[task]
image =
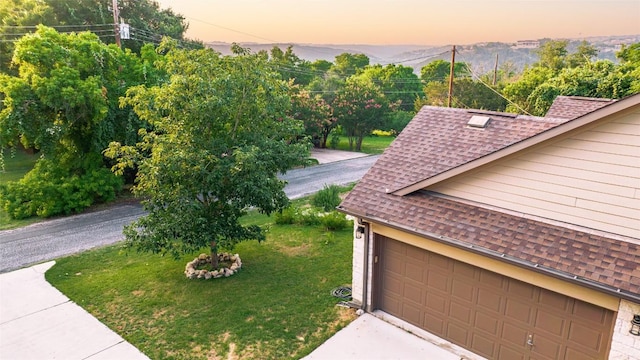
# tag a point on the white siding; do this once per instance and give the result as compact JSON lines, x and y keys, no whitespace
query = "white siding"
{"x":590,"y":178}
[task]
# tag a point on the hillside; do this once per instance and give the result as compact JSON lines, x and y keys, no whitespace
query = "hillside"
{"x":481,"y":56}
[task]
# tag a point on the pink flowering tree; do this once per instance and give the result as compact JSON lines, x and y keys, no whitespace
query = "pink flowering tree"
{"x":315,"y":113}
{"x":360,"y":107}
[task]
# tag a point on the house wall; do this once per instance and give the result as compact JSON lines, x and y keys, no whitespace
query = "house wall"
{"x":589,"y":178}
{"x":625,"y":346}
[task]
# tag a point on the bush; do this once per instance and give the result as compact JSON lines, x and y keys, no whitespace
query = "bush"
{"x":49,"y":189}
{"x":287,"y":216}
{"x":327,"y":198}
{"x":335,"y":221}
{"x":309,"y":217}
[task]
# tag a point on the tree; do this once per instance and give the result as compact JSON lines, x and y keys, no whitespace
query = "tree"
{"x":290,"y":66}
{"x":347,"y":64}
{"x":15,"y":14}
{"x":315,"y":113}
{"x":360,"y":108}
{"x":149,"y":23}
{"x":397,"y":82}
{"x":321,"y":66}
{"x":467,"y":93}
{"x":584,"y":54}
{"x":553,"y":54}
{"x":630,"y":58}
{"x":64,"y":104}
{"x":220,"y":136}
{"x":438,"y":70}
{"x":519,"y":92}
{"x":600,"y":79}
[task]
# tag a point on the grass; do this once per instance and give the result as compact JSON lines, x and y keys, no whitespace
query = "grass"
{"x":278,"y":306}
{"x":370,"y":144}
{"x":15,"y":167}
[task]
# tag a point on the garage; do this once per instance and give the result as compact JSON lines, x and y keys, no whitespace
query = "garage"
{"x":490,"y":314}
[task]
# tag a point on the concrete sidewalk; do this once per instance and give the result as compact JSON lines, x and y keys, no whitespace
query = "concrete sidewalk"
{"x":38,"y":322}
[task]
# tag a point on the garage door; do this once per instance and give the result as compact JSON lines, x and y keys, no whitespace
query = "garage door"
{"x":487,"y":313}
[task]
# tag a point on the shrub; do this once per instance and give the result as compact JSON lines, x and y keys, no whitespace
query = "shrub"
{"x":309,"y":217}
{"x":335,"y":221}
{"x":327,"y":198}
{"x":287,"y":216}
{"x":50,"y":189}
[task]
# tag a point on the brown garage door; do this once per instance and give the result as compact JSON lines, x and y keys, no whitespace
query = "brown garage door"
{"x":487,"y":313}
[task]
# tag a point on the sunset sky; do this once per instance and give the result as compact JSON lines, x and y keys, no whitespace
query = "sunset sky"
{"x":420,"y":22}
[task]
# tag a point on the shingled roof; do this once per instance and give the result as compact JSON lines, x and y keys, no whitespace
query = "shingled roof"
{"x":571,"y":107}
{"x":444,"y":132}
{"x":438,"y":140}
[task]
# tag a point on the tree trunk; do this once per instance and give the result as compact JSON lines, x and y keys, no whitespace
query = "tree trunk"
{"x":214,"y":255}
{"x":359,"y":143}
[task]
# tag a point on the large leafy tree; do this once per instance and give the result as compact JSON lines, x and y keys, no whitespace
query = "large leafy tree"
{"x":315,"y":113}
{"x":13,"y":15}
{"x":290,"y":66}
{"x":397,"y":82}
{"x":220,"y":136}
{"x":347,"y":64}
{"x":360,"y":107}
{"x":148,"y":21}
{"x":63,"y":104}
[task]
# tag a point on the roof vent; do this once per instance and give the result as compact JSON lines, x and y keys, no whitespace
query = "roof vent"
{"x":477,"y":121}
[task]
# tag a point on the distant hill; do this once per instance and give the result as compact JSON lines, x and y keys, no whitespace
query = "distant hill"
{"x":481,"y":56}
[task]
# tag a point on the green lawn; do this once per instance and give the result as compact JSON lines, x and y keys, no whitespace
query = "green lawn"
{"x":370,"y":144}
{"x":14,"y":169}
{"x":278,"y":306}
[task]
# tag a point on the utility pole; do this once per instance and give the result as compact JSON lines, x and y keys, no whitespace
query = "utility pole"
{"x":116,"y":26}
{"x":453,"y":61}
{"x":495,"y":71}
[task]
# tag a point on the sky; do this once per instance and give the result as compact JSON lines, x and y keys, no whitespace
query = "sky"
{"x":416,"y":22}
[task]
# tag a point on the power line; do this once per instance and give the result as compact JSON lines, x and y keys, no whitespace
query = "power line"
{"x":53,"y":26}
{"x":494,"y":90}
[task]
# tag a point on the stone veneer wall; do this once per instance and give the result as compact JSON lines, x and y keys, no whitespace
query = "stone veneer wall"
{"x":625,"y":346}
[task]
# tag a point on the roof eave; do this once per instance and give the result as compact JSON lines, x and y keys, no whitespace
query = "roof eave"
{"x":570,"y":125}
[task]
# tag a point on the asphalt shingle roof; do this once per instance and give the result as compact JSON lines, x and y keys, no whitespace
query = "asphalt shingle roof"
{"x":571,"y":107}
{"x":437,"y":140}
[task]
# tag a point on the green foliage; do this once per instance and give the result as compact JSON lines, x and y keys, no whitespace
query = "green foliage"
{"x":315,"y":114}
{"x":397,"y":121}
{"x":287,"y":216}
{"x":347,"y":64}
{"x":327,"y":198}
{"x":439,"y":70}
{"x":220,"y":137}
{"x":50,"y":189}
{"x":335,"y":221}
{"x":64,"y":103}
{"x":398,"y":82}
{"x":290,"y":66}
{"x":572,"y":74}
{"x":360,"y":108}
{"x":151,"y":22}
{"x":553,"y":54}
